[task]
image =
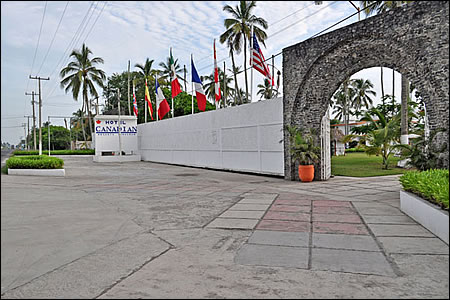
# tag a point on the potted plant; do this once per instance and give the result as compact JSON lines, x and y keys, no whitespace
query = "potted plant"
{"x":303,"y":150}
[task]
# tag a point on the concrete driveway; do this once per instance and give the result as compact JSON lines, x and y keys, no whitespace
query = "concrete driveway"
{"x":146,"y":230}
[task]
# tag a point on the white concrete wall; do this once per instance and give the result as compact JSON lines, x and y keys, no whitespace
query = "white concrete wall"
{"x":241,"y":138}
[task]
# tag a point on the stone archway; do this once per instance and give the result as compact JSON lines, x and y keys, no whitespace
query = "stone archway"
{"x":413,"y":40}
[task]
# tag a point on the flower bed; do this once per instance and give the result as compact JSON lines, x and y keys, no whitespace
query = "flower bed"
{"x":431,"y":185}
{"x":425,"y":199}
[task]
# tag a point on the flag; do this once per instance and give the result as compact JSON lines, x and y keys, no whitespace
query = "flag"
{"x":216,"y":76}
{"x":258,"y":61}
{"x":148,"y":100}
{"x":176,"y":88}
{"x":135,"y":107}
{"x":162,"y":106}
{"x":201,"y":98}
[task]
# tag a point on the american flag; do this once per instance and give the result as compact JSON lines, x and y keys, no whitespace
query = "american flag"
{"x":259,"y":61}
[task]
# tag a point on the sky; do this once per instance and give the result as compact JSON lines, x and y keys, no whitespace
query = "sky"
{"x":38,"y":44}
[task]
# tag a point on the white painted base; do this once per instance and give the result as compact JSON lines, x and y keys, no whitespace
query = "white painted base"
{"x":38,"y":172}
{"x":427,"y":214}
{"x":117,"y":158}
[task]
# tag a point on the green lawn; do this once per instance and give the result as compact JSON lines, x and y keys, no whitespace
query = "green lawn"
{"x":362,"y":165}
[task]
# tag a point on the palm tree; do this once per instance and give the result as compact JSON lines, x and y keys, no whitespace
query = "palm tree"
{"x":380,"y":7}
{"x":167,"y":70}
{"x":81,"y":75}
{"x":381,"y":139}
{"x":209,"y":85}
{"x":363,"y":90}
{"x":234,"y":69}
{"x":147,"y":73}
{"x":343,"y":99}
{"x":265,"y":90}
{"x":239,"y":27}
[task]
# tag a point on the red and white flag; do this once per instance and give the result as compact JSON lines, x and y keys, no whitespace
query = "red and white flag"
{"x":216,"y":76}
{"x":162,"y":106}
{"x":135,"y":107}
{"x":257,"y":61}
{"x":176,"y":88}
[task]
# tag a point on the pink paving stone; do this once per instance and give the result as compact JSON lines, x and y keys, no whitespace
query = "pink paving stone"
{"x":292,"y":202}
{"x":336,"y":218}
{"x":333,"y":210}
{"x":288,"y":216}
{"x":332,"y":203}
{"x":290,"y":208}
{"x":344,"y":228}
{"x":277,"y":225}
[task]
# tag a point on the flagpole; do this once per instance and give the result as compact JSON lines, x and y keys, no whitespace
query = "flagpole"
{"x":171,"y":87}
{"x":145,"y":102}
{"x":120,"y":136}
{"x":251,"y":65}
{"x":192,"y":83}
{"x":224,"y":87}
{"x":156,"y":98}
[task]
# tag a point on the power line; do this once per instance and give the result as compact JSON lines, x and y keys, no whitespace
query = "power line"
{"x":54,"y":35}
{"x":86,"y":24}
{"x":37,"y":45}
{"x":305,"y":7}
{"x":70,"y":45}
{"x":301,"y":20}
{"x":95,"y":21}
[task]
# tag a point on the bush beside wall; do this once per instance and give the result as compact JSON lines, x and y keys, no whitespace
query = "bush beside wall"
{"x":431,"y":185}
{"x":57,"y":152}
{"x":34,"y":162}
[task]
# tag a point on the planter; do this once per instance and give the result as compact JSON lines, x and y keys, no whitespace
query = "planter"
{"x":430,"y":216}
{"x":306,"y":173}
{"x":37,"y":172}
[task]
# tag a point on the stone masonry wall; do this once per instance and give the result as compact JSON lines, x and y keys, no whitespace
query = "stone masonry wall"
{"x":413,"y":40}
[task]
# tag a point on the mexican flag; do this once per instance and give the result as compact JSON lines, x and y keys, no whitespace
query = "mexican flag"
{"x":176,"y":89}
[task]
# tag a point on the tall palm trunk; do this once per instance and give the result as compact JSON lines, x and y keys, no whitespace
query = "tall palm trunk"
{"x":404,"y":111}
{"x":82,"y":122}
{"x":235,"y":79}
{"x":85,"y":95}
{"x":382,"y":91}
{"x":245,"y":67}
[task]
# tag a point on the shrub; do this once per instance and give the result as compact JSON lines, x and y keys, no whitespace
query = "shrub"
{"x":351,"y":150}
{"x":34,"y":162}
{"x":431,"y":185}
{"x":57,"y":152}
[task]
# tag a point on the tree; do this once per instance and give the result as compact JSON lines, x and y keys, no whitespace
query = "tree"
{"x":381,"y":7}
{"x":59,"y":138}
{"x":266,"y":90}
{"x":381,"y":140}
{"x":167,"y":70}
{"x":239,"y":27}
{"x":362,"y":91}
{"x":81,"y":74}
{"x":209,"y":84}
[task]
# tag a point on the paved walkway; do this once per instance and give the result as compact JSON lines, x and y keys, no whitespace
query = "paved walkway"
{"x":144,"y":230}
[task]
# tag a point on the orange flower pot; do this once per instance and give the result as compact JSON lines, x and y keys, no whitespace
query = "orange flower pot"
{"x":306,"y":173}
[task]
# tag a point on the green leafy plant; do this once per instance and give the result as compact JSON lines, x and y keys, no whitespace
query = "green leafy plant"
{"x":302,"y":146}
{"x":423,"y":154}
{"x":432,"y":185}
{"x":34,"y":162}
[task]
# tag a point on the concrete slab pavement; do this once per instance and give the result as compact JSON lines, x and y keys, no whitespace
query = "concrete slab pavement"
{"x":143,"y":230}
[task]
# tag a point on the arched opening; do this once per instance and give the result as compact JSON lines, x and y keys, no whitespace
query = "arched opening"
{"x":314,"y":69}
{"x":372,"y":99}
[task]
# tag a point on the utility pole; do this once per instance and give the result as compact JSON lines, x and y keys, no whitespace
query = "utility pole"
{"x":28,"y":130}
{"x":34,"y":118}
{"x":25,"y":134}
{"x":40,"y":109}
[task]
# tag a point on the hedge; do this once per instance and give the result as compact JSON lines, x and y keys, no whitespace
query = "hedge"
{"x":56,"y":152}
{"x":34,"y":162}
{"x":350,"y":150}
{"x":431,"y":185}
